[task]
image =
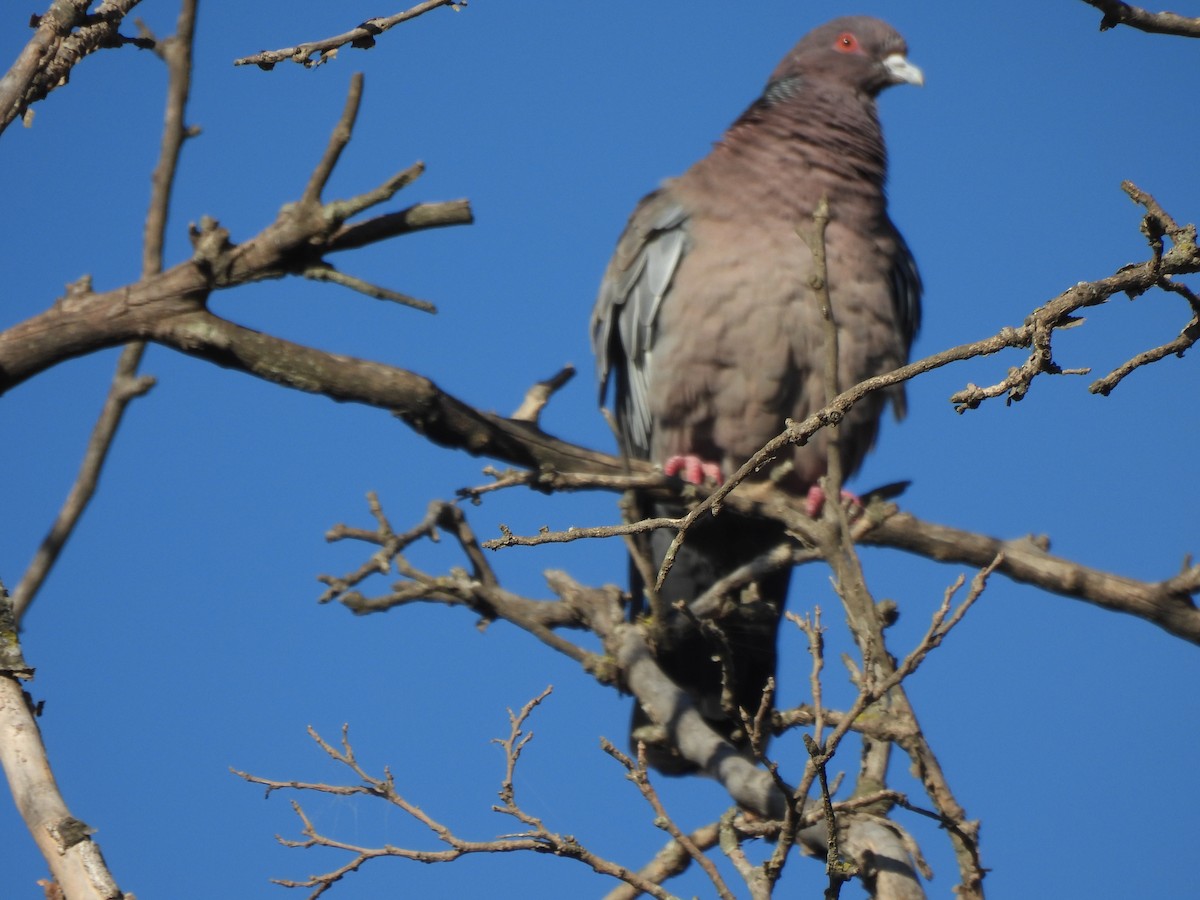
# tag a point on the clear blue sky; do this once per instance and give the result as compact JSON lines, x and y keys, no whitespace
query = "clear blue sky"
{"x":180,"y":636}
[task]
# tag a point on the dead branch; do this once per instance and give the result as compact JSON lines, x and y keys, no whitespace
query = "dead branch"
{"x":127,"y":385}
{"x":539,"y":395}
{"x":640,"y":775}
{"x":63,"y":36}
{"x":1118,"y":13}
{"x":838,"y":870}
{"x":361,"y":38}
{"x":171,"y":309}
{"x":627,"y":659}
{"x":1177,"y":347}
{"x":670,"y":861}
{"x":66,"y":843}
{"x":1168,"y":604}
{"x":835,"y":543}
{"x":73,"y":857}
{"x":535,"y":838}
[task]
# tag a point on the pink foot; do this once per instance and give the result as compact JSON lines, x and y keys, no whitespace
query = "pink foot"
{"x":815,"y":501}
{"x":693,"y":469}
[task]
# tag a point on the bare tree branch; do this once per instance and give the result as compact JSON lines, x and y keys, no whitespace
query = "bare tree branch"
{"x":329,"y":274}
{"x":126,"y":386}
{"x":176,"y":51}
{"x":1118,"y":13}
{"x":74,"y":859}
{"x":63,"y":36}
{"x":640,"y":775}
{"x":539,"y":395}
{"x":838,"y":870}
{"x":1168,"y":603}
{"x":337,"y":143}
{"x":671,"y":860}
{"x":667,"y":705}
{"x":536,"y":837}
{"x":361,"y":38}
{"x":171,"y":308}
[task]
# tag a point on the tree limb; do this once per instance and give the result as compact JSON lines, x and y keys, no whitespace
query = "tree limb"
{"x":126,"y":386}
{"x":535,"y":838}
{"x":1118,"y":13}
{"x":1167,"y":604}
{"x":361,"y":38}
{"x":63,"y":36}
{"x":74,"y":859}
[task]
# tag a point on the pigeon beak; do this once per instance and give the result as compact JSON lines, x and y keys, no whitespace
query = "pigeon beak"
{"x":901,"y":71}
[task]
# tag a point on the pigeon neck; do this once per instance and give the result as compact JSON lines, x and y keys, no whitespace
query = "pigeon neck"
{"x":800,"y":126}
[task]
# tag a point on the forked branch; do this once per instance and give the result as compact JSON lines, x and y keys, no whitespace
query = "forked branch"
{"x":535,"y":836}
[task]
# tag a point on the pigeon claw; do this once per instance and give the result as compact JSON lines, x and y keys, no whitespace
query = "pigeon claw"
{"x":815,"y":501}
{"x":693,"y":469}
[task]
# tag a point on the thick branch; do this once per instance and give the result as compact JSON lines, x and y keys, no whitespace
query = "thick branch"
{"x":63,"y":36}
{"x":1168,"y":604}
{"x":170,"y":308}
{"x":73,"y":857}
{"x":52,"y":29}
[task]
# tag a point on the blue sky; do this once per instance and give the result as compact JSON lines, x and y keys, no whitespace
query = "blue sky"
{"x":180,"y":636}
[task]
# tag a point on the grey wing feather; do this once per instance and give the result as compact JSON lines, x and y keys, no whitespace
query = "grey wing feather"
{"x":624,"y":319}
{"x":906,"y":297}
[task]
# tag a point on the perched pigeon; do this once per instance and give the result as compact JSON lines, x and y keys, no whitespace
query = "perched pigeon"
{"x":708,"y":326}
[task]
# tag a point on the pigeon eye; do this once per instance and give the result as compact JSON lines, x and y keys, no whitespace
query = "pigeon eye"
{"x":846,"y":43}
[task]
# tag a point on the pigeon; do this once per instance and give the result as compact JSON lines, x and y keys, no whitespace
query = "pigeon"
{"x":708,"y":329}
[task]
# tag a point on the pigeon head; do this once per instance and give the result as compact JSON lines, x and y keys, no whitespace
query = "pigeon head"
{"x":860,"y":52}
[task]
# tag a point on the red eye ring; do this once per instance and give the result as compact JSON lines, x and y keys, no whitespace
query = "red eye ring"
{"x":846,"y":42}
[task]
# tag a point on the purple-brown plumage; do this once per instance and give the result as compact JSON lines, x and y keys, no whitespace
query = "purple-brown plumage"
{"x":709,"y":328}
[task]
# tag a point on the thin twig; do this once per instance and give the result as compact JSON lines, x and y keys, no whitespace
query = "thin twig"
{"x":816,"y":649}
{"x":338,"y":140}
{"x":508,"y":539}
{"x":671,"y":860}
{"x":820,"y":286}
{"x":361,"y":38}
{"x":1177,"y":347}
{"x":838,"y":870}
{"x":330,"y":275}
{"x":126,"y":385}
{"x":640,"y":776}
{"x":536,"y":838}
